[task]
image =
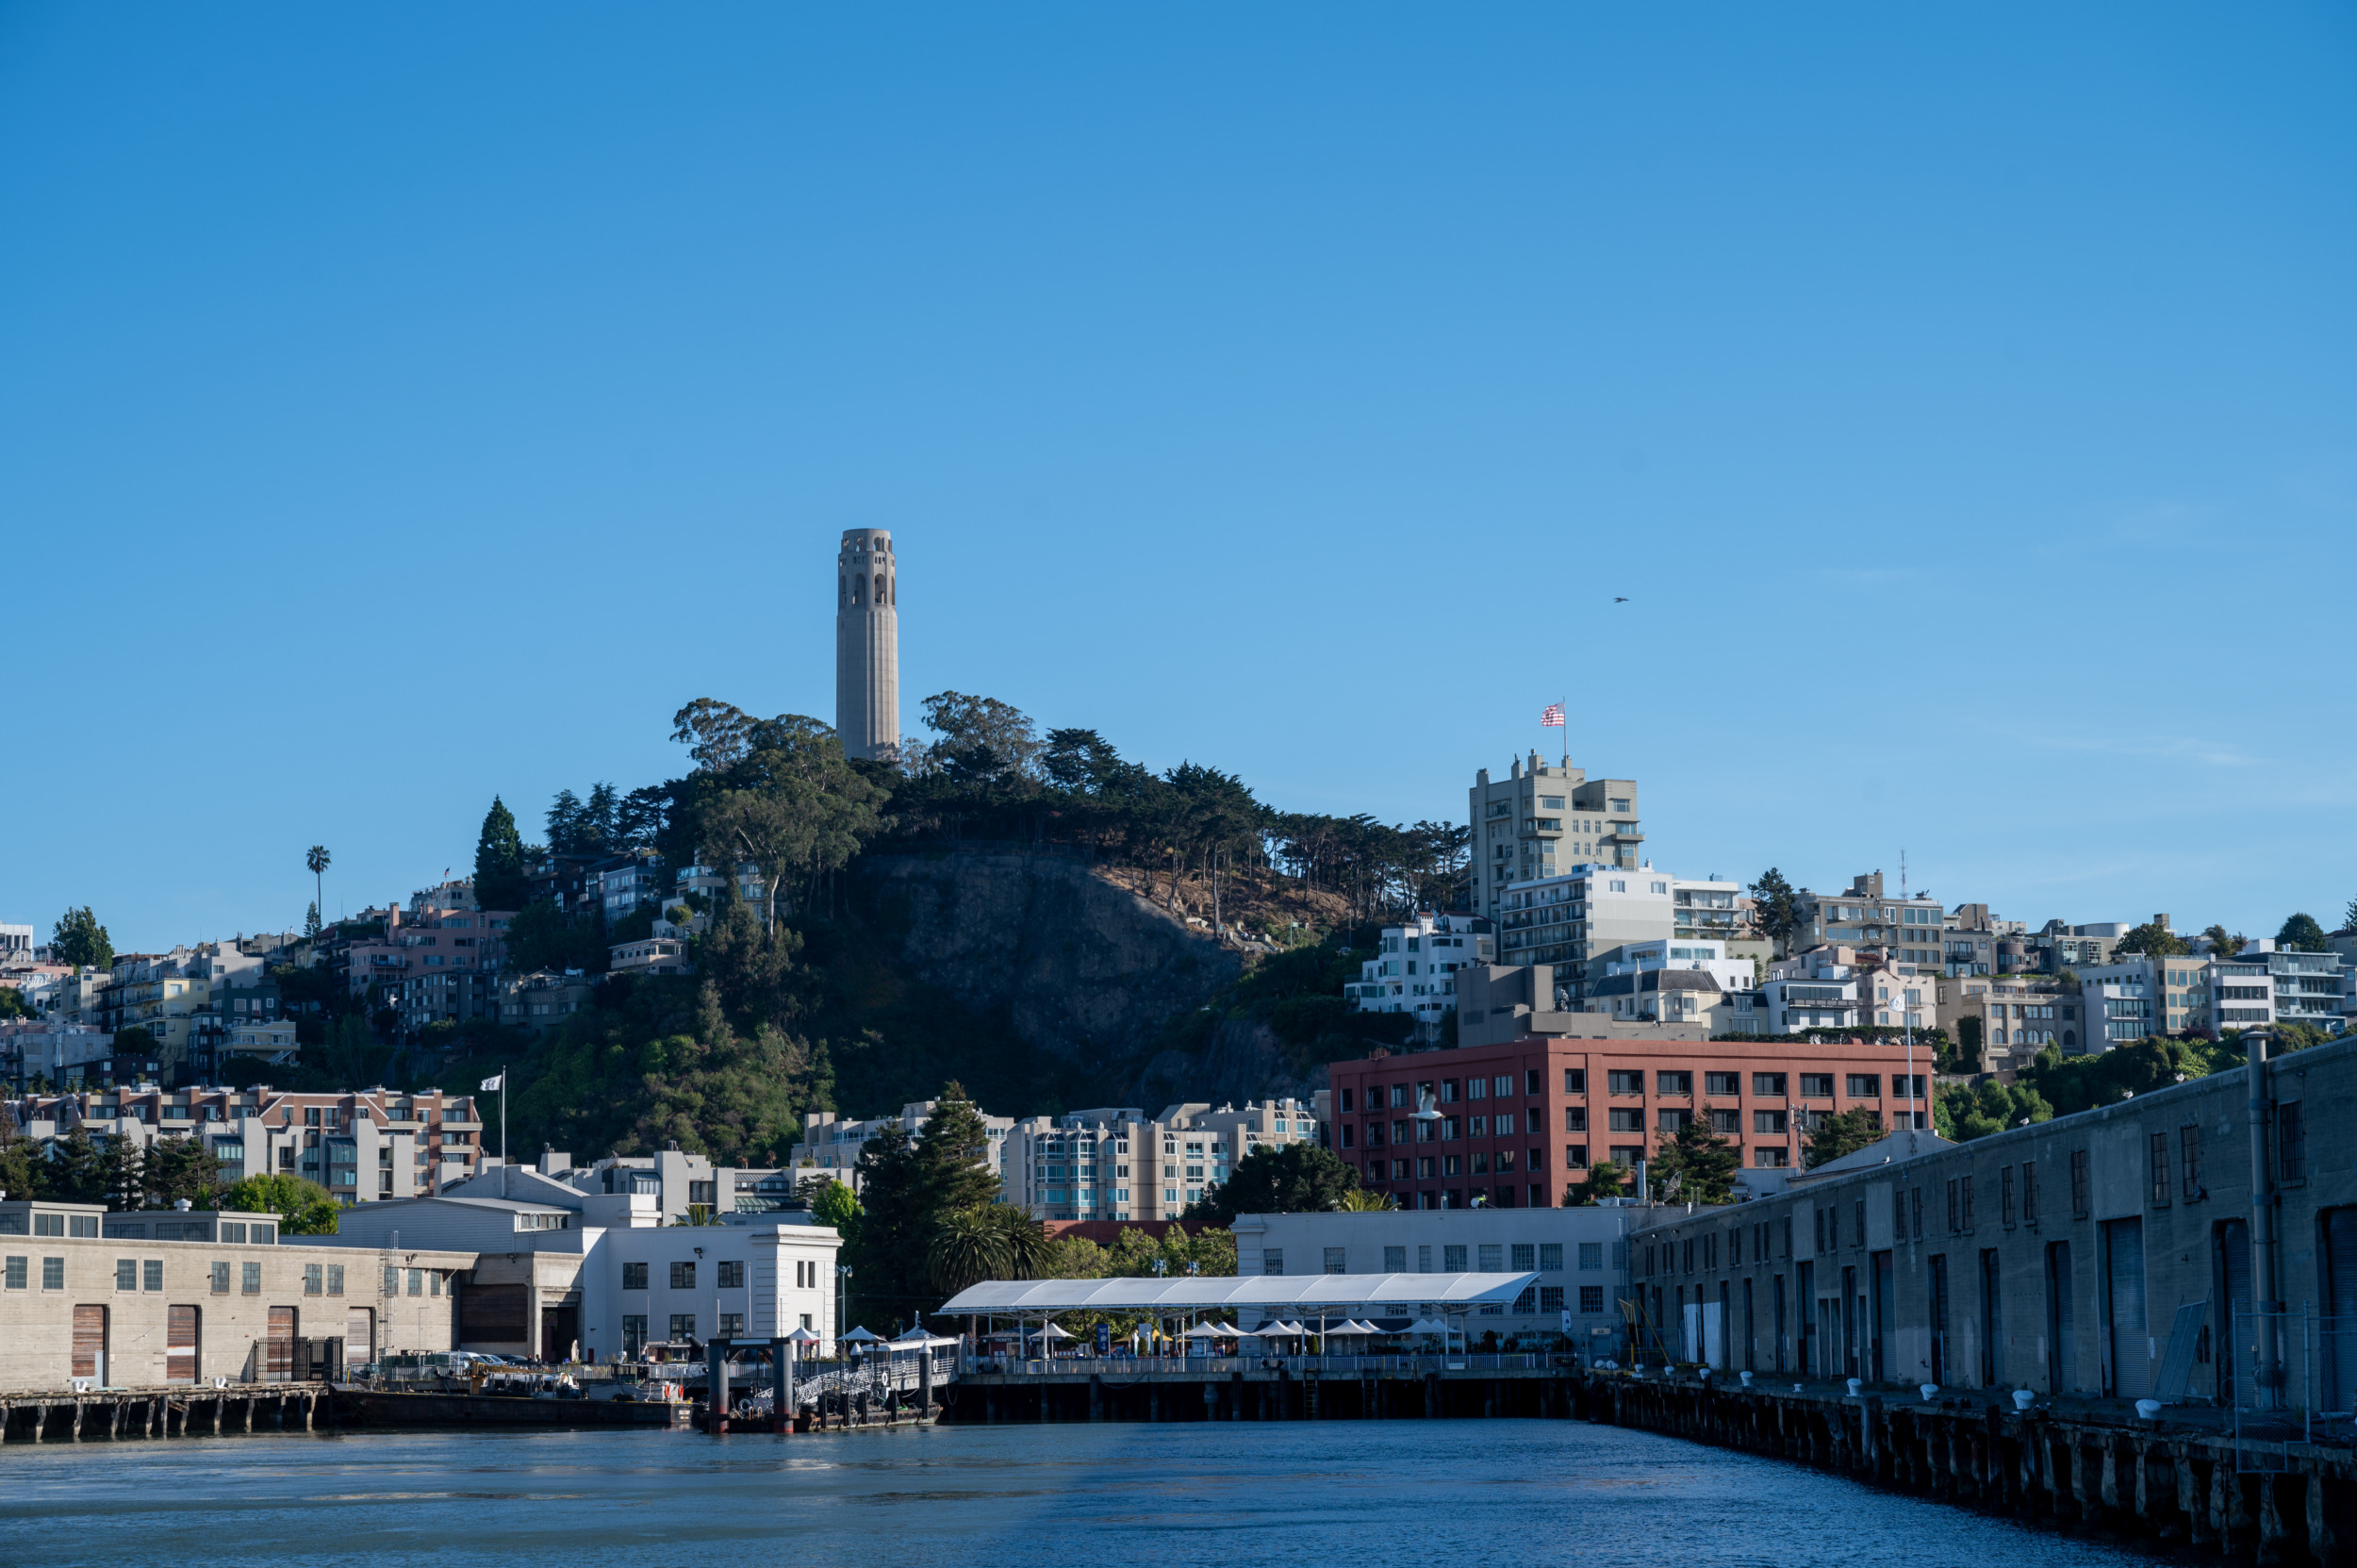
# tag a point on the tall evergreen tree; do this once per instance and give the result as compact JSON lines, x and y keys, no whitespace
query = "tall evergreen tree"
{"x":80,"y":940}
{"x":499,"y":859}
{"x":1702,"y":1163}
{"x":2302,"y":934}
{"x":1777,"y":909}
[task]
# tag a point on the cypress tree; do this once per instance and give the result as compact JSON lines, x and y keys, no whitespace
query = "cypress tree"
{"x":499,"y":859}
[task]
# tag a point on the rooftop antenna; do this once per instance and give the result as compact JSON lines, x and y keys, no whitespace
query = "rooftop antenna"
{"x":1903,"y":872}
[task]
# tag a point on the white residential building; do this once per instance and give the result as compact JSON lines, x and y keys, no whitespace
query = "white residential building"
{"x":1806,"y":993}
{"x":1581,"y":921}
{"x":1111,"y":1163}
{"x":1413,"y":970}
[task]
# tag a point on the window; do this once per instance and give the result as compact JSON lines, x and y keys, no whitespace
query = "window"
{"x":1673,"y":1121}
{"x":334,"y":1278}
{"x":2291,"y":1143}
{"x":1395,"y":1260}
{"x":314,"y":1279}
{"x":732,"y":1326}
{"x":417,"y":1281}
{"x":126,"y":1274}
{"x":2078,"y":1184}
{"x":1626,"y":1082}
{"x":1817,"y":1085}
{"x":2189,"y":1151}
{"x":1273,"y":1260}
{"x":1721,"y":1083}
{"x":633,"y":1277}
{"x":683,"y":1326}
{"x":1968,"y":1201}
{"x":1674,"y":1082}
{"x":1345,"y":1099}
{"x":1866,"y":1086}
{"x":250,"y":1279}
{"x":2004,"y":1192}
{"x":1626,"y":1119}
{"x":1952,"y":1226}
{"x":53,"y":1274}
{"x":392,"y":1282}
{"x":634,"y":1332}
{"x":1575,"y":1118}
{"x":48,"y":1225}
{"x":221,"y":1279}
{"x":1574,"y":1156}
{"x":1525,"y":1257}
{"x":731,"y":1275}
{"x":683,"y":1277}
{"x":1727,"y":1121}
{"x":1769,"y":1084}
{"x":15,"y":1272}
{"x":1772,"y":1122}
{"x":1574,"y":1081}
{"x":1531,"y":1080}
{"x":2157,"y":1167}
{"x":2029,"y":1192}
{"x":1592,"y":1298}
{"x":1336,"y":1260}
{"x":1453,"y":1259}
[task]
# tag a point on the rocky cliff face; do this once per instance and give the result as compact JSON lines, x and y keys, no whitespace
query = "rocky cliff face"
{"x":1077,"y":965}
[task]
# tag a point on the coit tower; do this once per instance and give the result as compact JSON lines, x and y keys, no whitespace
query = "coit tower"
{"x":867,"y":645}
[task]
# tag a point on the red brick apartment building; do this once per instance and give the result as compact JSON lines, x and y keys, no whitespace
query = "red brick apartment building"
{"x":1522,"y":1119}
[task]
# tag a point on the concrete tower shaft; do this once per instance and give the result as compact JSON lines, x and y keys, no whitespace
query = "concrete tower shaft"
{"x":868,"y":644}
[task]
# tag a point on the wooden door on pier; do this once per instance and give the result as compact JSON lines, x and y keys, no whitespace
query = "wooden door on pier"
{"x":180,"y":1363}
{"x":89,"y":1343}
{"x":278,"y":1346}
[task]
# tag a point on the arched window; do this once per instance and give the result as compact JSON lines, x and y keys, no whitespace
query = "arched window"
{"x":892,"y":586}
{"x":880,"y":588}
{"x":2071,"y":1038}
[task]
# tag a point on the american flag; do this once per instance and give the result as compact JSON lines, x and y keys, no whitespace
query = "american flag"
{"x":1553,"y":718}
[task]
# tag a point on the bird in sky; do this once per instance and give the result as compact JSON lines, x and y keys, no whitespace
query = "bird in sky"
{"x":1620,"y":598}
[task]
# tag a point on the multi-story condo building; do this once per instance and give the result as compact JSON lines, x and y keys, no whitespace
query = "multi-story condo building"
{"x":1413,"y":970}
{"x":2169,"y":996}
{"x":542,"y":999}
{"x":2019,"y":1014}
{"x":1114,"y":1164}
{"x":1540,"y":820}
{"x":831,"y":1144}
{"x":2262,"y":985}
{"x":637,"y":881}
{"x":1815,"y":991}
{"x":1579,"y":921}
{"x":174,"y":997}
{"x":1908,"y":930}
{"x":360,"y":1146}
{"x":1111,"y":1163}
{"x":436,"y":962}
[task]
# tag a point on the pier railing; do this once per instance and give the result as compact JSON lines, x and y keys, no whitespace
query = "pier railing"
{"x":1331,"y":1366}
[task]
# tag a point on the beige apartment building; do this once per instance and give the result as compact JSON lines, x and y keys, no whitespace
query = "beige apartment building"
{"x":375,"y":1143}
{"x":133,"y":1311}
{"x":1543,"y":819}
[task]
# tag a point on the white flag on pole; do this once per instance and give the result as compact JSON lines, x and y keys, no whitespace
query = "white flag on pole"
{"x":497,"y":1082}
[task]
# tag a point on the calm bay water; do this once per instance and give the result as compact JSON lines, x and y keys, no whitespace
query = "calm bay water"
{"x":1369,"y":1493}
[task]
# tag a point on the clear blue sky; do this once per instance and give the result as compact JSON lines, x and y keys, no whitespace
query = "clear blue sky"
{"x":400,"y":404}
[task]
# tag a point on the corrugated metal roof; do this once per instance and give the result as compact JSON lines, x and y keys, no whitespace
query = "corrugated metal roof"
{"x":1260,"y":1290}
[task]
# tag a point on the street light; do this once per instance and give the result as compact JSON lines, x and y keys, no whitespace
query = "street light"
{"x":842,"y":1294}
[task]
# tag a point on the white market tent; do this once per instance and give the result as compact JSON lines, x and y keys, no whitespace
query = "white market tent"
{"x":1424,"y":1292}
{"x":1430,"y":1298}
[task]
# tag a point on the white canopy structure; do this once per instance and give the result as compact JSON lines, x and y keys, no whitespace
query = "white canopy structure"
{"x":1419,"y":1293}
{"x":862,"y":1336}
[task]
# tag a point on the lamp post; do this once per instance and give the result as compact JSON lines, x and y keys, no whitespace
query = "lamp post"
{"x":842,"y":1303}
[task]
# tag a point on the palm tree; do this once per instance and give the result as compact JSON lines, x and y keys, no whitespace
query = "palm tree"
{"x":317,"y":859}
{"x":1359,"y":1200}
{"x":967,"y":1249}
{"x":1022,"y":1240}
